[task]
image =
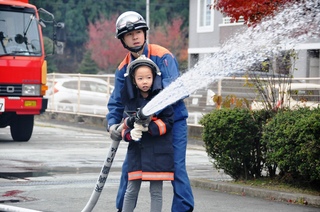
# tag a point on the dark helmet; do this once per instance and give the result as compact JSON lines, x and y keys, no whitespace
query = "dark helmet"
{"x":142,"y":61}
{"x":127,"y":22}
{"x":130,"y":89}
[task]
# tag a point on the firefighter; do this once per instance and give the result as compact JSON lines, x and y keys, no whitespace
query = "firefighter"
{"x":131,"y":30}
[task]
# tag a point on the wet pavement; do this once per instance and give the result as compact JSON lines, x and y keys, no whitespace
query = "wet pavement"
{"x":58,"y":168}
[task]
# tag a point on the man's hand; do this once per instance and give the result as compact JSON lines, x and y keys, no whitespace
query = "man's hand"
{"x":114,"y":133}
{"x":136,"y":134}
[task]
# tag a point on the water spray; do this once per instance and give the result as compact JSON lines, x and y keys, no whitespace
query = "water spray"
{"x":295,"y":24}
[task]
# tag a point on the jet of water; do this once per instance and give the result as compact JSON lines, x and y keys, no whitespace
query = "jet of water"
{"x":295,"y":24}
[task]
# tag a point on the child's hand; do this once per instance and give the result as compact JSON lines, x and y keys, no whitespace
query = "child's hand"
{"x":140,"y":127}
{"x":136,"y":134}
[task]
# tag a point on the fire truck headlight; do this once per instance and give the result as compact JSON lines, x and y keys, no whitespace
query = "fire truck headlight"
{"x":30,"y":90}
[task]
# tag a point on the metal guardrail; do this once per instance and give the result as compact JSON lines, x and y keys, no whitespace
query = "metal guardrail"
{"x":198,"y":103}
{"x":81,"y":91}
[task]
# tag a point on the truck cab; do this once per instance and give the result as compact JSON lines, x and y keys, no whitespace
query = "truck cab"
{"x":23,"y":68}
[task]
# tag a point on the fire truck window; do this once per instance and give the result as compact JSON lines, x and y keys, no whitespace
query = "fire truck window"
{"x":21,"y":35}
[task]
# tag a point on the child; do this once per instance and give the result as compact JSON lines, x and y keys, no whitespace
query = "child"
{"x":150,"y":151}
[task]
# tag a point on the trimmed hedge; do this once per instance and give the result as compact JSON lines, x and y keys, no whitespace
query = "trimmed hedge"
{"x":244,"y":143}
{"x":232,"y":139}
{"x":292,"y":139}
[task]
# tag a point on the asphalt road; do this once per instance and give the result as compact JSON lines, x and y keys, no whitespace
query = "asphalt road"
{"x":58,"y":168}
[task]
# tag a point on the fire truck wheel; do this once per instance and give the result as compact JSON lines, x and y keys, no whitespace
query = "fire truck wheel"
{"x":21,"y":128}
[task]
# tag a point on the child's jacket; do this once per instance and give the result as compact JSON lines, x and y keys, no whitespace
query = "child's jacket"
{"x":152,"y":157}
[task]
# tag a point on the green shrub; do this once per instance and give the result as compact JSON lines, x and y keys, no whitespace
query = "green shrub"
{"x":292,"y":139}
{"x":232,"y":139}
{"x":244,"y":142}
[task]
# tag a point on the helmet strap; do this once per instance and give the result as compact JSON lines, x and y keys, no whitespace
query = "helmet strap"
{"x":135,"y":49}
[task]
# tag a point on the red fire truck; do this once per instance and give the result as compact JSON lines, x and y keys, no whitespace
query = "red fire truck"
{"x":23,"y":68}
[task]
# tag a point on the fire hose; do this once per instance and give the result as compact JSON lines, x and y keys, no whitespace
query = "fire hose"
{"x":9,"y":208}
{"x":140,"y":118}
{"x":103,"y":175}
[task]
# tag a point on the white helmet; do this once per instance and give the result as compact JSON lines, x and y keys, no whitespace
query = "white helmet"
{"x":129,"y":21}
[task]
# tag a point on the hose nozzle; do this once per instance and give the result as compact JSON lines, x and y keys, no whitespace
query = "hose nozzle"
{"x":142,"y":119}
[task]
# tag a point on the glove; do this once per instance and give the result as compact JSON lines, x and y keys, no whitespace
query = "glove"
{"x":114,"y":133}
{"x":136,"y":134}
{"x":140,"y":127}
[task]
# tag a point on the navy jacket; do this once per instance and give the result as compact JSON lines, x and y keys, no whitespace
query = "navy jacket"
{"x":152,"y":157}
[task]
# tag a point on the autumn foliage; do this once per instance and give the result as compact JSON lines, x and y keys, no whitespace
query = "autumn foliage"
{"x":107,"y":51}
{"x":252,"y":11}
{"x":170,"y":36}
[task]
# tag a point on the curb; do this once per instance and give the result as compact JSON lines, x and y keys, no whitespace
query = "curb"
{"x":294,"y":198}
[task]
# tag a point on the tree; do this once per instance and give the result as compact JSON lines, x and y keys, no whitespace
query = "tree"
{"x":173,"y":37}
{"x":279,"y":67}
{"x":252,"y":11}
{"x":78,"y":14}
{"x":88,"y":66}
{"x":48,"y":48}
{"x":105,"y":49}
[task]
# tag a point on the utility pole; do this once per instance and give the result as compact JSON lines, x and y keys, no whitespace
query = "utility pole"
{"x":147,"y":18}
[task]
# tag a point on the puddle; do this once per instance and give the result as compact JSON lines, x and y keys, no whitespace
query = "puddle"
{"x":23,"y":175}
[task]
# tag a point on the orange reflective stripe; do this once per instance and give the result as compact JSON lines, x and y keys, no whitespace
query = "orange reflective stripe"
{"x":139,"y":175}
{"x":157,"y":176}
{"x":156,"y":50}
{"x":162,"y":126}
{"x":135,"y":175}
{"x":125,"y":61}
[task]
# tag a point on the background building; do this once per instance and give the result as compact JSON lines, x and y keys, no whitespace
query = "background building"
{"x":209,"y":29}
